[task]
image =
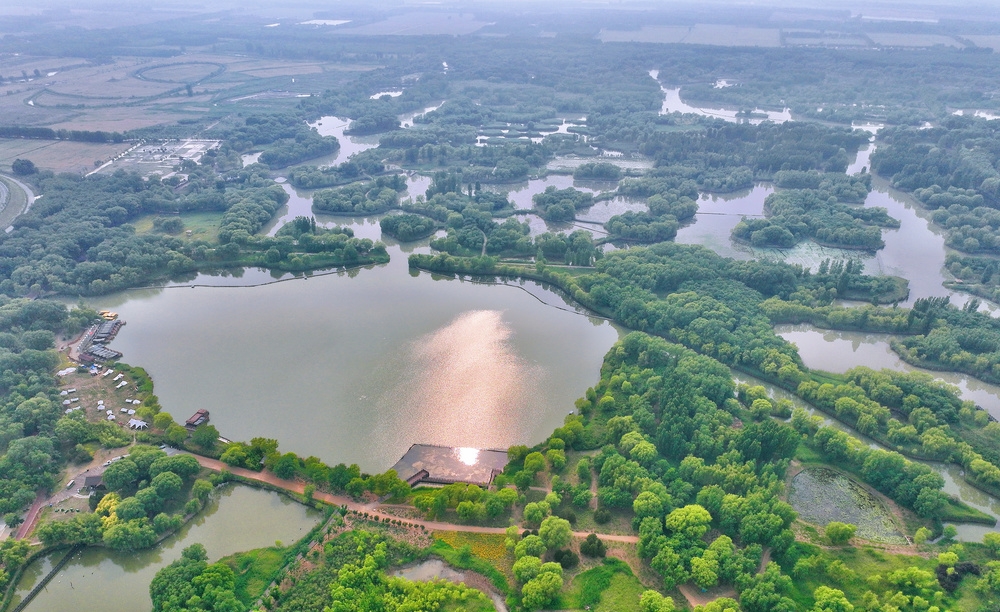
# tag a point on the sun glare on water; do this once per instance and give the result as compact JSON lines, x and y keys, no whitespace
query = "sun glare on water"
{"x":468,"y":456}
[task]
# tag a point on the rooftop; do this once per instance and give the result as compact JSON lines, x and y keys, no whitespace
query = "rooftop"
{"x":448,"y":464}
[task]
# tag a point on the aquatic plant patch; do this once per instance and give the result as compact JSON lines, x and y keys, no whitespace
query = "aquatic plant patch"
{"x":821,"y":495}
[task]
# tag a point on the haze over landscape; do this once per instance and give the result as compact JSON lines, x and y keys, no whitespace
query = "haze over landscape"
{"x":392,"y":306}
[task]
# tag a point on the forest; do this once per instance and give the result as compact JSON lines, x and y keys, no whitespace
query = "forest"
{"x":666,"y":447}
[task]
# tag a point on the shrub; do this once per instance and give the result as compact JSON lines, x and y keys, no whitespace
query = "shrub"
{"x":602,"y":516}
{"x":593,"y":546}
{"x":566,"y":558}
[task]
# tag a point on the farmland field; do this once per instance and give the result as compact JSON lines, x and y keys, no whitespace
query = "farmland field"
{"x":647,"y":34}
{"x":58,"y":155}
{"x":914,"y":40}
{"x":698,"y":34}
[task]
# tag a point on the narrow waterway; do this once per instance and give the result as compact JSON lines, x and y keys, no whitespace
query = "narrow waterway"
{"x":672,"y":103}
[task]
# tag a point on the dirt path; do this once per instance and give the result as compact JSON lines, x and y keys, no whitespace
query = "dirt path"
{"x":697,"y":597}
{"x":297,"y":486}
{"x":32,"y":517}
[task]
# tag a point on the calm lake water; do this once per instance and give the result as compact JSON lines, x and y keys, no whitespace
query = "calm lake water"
{"x":356,"y":367}
{"x":237,"y":518}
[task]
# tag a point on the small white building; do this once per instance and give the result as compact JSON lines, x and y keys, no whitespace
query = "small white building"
{"x":137,"y":424}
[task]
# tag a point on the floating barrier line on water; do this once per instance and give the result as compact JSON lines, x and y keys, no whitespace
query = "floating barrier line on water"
{"x":571,"y":311}
{"x":274,"y":282}
{"x":342,"y":270}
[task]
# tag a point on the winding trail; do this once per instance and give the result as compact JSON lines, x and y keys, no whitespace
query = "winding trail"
{"x":297,"y":486}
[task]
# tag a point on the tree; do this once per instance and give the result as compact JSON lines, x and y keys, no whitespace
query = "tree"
{"x":991,"y":540}
{"x":176,"y":434}
{"x":690,"y":522}
{"x":167,"y":484}
{"x":651,"y":601}
{"x":23,"y":167}
{"x":184,"y":466}
{"x":205,"y":436}
{"x":535,"y":512}
{"x":531,"y":545}
{"x":670,"y":566}
{"x":555,"y":532}
{"x":121,"y":475}
{"x":831,"y":600}
{"x":201,"y":490}
{"x":705,"y":570}
{"x":130,"y":508}
{"x":534,"y":463}
{"x":839,"y":533}
{"x":162,"y":420}
{"x":647,"y":504}
{"x":130,"y":535}
{"x":541,"y":590}
{"x":285,"y":466}
{"x":526,"y":568}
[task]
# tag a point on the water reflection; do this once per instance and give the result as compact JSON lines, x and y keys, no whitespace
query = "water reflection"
{"x":237,"y":518}
{"x":331,"y":367}
{"x":839,"y":351}
{"x":718,"y":214}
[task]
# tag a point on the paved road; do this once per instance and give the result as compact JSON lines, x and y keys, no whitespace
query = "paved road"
{"x":9,"y":213}
{"x":371,"y":508}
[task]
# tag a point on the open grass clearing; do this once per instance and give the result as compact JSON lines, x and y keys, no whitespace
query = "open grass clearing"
{"x":203,"y":226}
{"x":610,"y":586}
{"x":647,"y":34}
{"x":865,"y":566}
{"x":255,"y":569}
{"x":179,"y":72}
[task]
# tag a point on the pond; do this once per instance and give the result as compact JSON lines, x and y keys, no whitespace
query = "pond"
{"x":300,"y":205}
{"x":237,"y":518}
{"x":349,"y":145}
{"x":914,"y":251}
{"x":436,"y":569}
{"x":822,"y":495}
{"x":718,"y":214}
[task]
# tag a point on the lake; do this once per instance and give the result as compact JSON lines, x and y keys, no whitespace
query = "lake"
{"x":355,"y":367}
